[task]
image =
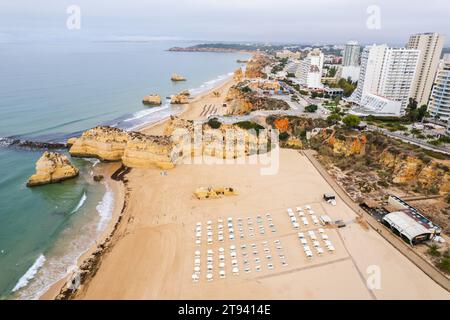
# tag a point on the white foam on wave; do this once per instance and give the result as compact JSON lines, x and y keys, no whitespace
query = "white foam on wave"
{"x":105,"y":208}
{"x":23,"y":281}
{"x":80,"y":203}
{"x":144,"y":113}
{"x":208,"y":85}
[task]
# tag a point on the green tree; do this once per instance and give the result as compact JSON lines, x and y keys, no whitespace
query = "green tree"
{"x":333,"y":118}
{"x":351,"y":121}
{"x":311,"y":108}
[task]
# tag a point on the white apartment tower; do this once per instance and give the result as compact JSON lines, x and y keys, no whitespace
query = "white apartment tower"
{"x":351,"y":54}
{"x":430,"y":46}
{"x":387,"y":72}
{"x":310,"y":71}
{"x":439,"y":105}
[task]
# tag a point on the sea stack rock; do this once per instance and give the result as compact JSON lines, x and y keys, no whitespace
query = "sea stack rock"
{"x":52,"y":167}
{"x":176,"y":77}
{"x":152,"y":100}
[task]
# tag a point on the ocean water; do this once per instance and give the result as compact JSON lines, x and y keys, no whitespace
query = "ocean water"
{"x":51,"y":91}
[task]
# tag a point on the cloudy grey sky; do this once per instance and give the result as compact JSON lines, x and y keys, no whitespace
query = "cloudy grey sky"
{"x":299,"y":21}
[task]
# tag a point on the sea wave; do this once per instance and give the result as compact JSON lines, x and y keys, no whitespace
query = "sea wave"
{"x":144,"y":113}
{"x":23,"y":281}
{"x":208,"y":85}
{"x":105,"y":208}
{"x":80,"y":203}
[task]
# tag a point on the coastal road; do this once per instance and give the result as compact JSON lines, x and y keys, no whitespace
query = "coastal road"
{"x":399,"y":244}
{"x":410,"y":140}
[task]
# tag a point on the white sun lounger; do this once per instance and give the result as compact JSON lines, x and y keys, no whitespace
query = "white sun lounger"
{"x":308,"y":207}
{"x":301,"y":235}
{"x":221,"y":265}
{"x":299,"y":209}
{"x":309,"y":254}
{"x":324,"y":236}
{"x":209,"y":276}
{"x":197,"y":262}
{"x":222,"y":274}
{"x":331,"y":248}
{"x":321,"y":230}
{"x":235,"y":271}
{"x":303,"y":241}
{"x":195,"y":278}
{"x":221,"y":257}
{"x":319,"y":250}
{"x":316,"y":244}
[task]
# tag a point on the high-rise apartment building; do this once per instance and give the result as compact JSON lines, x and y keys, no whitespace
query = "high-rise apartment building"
{"x":309,"y":73}
{"x":351,"y":54}
{"x":439,"y":105}
{"x":430,"y":46}
{"x":387,"y":72}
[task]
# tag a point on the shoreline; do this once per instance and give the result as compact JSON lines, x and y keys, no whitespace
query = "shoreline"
{"x":93,"y":256}
{"x":118,"y":191}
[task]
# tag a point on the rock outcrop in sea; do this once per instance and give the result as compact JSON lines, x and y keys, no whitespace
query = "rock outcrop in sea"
{"x":180,"y":98}
{"x":52,"y":167}
{"x":152,"y":100}
{"x":176,"y":77}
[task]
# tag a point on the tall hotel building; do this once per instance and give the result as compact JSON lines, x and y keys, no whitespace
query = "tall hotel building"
{"x":430,"y":46}
{"x":388,"y":73}
{"x":439,"y":105}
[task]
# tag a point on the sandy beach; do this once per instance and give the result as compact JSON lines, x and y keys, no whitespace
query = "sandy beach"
{"x":154,"y":255}
{"x":151,"y":254}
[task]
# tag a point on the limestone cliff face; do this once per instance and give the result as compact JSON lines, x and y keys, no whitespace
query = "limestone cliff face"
{"x":52,"y":167}
{"x":238,"y":75}
{"x":409,"y":169}
{"x":241,"y":102}
{"x":256,"y":65}
{"x":143,"y":151}
{"x":348,"y":146}
{"x":134,"y":149}
{"x":102,"y":142}
{"x":229,"y":141}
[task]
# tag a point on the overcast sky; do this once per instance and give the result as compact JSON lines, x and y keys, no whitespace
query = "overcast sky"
{"x":299,"y":21}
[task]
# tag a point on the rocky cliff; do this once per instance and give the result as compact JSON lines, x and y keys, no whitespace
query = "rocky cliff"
{"x":102,"y":142}
{"x":256,"y":65}
{"x":409,"y":169}
{"x":144,"y":151}
{"x":391,"y":161}
{"x":52,"y":167}
{"x":241,"y":100}
{"x":134,"y":149}
{"x":225,"y":141}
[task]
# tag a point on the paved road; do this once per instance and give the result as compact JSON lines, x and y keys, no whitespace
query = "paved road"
{"x":410,"y":140}
{"x":399,"y":244}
